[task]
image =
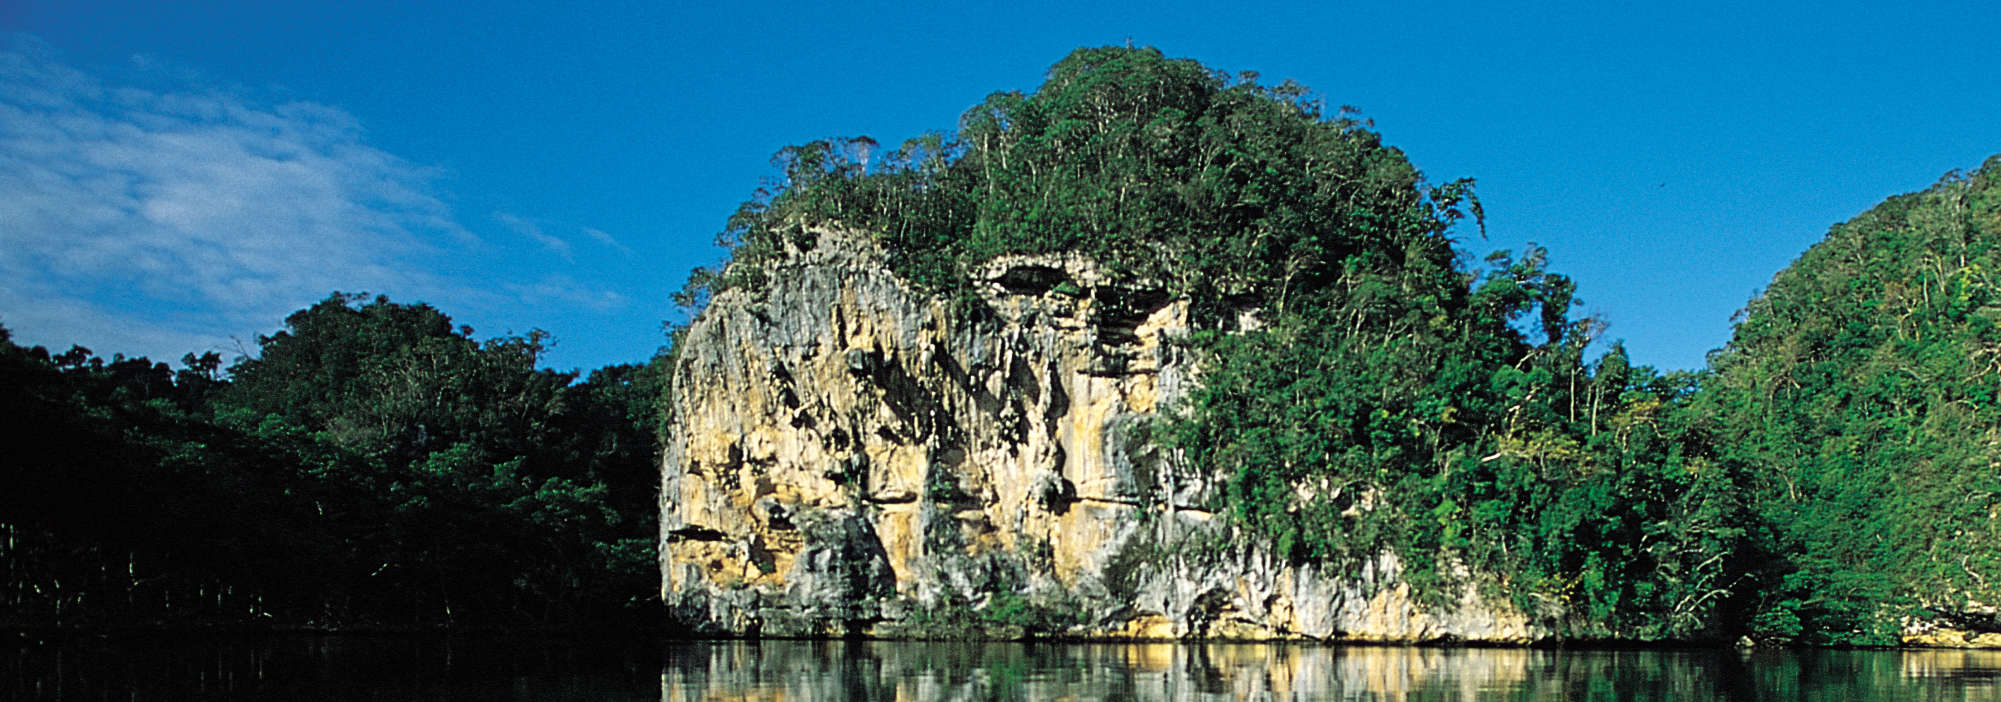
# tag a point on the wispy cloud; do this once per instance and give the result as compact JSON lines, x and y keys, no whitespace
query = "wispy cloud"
{"x":562,"y":290}
{"x":62,"y":322}
{"x":162,"y":213}
{"x":182,"y":212}
{"x":533,"y":232}
{"x":599,"y":236}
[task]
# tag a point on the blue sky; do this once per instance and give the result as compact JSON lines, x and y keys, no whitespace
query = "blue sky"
{"x":179,"y":176}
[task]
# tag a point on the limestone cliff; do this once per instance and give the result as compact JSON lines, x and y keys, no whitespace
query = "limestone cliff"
{"x":848,"y":457}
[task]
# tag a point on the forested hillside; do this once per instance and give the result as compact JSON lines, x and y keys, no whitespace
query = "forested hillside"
{"x":1861,"y":399}
{"x":373,"y":466}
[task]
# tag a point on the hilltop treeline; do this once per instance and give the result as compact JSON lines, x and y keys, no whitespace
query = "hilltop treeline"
{"x":372,"y":467}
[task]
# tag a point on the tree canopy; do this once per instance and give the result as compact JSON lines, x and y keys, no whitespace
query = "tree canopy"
{"x":1160,"y":168}
{"x":374,"y":466}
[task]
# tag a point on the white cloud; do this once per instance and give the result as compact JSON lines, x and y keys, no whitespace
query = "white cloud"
{"x":174,"y":218}
{"x":599,"y":236}
{"x":534,"y":233}
{"x":61,"y":322}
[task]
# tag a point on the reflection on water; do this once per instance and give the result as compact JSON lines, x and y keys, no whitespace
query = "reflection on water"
{"x":832,"y":670}
{"x":304,"y":667}
{"x":407,"y":667}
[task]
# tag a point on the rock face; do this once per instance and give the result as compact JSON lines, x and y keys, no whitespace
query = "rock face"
{"x":1964,"y":623}
{"x":851,"y":458}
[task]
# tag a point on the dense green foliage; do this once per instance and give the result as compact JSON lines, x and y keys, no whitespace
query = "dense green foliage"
{"x":1388,"y":396}
{"x":1213,"y":186}
{"x":1862,"y":392}
{"x":372,"y":466}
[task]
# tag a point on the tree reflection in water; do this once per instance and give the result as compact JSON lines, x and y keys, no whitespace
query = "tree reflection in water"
{"x":585,"y":668}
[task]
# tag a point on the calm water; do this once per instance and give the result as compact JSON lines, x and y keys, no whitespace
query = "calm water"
{"x":402,"y":667}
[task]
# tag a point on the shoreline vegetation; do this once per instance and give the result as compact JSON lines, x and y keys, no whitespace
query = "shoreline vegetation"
{"x":642,"y":632}
{"x":1827,"y":480}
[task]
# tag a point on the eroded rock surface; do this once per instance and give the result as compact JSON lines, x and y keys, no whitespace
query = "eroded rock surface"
{"x":852,"y":458}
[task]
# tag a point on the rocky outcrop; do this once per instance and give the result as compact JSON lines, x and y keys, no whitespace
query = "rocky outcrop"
{"x":1960,"y":623}
{"x":850,"y":458}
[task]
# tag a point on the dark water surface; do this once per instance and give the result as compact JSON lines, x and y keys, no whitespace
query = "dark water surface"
{"x":180,"y":667}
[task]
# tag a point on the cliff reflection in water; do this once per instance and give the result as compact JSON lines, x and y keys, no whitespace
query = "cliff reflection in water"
{"x":835,"y":670}
{"x":311,"y":667}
